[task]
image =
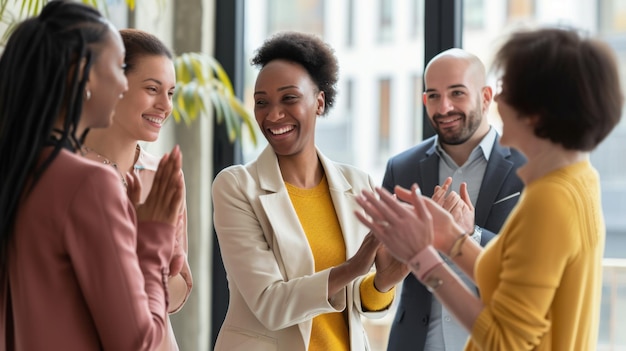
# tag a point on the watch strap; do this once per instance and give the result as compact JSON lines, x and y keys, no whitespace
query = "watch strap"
{"x":424,"y":261}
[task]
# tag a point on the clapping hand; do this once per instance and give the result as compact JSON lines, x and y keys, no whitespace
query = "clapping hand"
{"x":460,"y":207}
{"x":445,"y":228}
{"x":164,"y":202}
{"x":179,"y":255}
{"x":389,"y":271}
{"x":166,"y":195}
{"x":404,"y":230}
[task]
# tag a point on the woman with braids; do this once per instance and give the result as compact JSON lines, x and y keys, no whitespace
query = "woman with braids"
{"x":81,"y":268}
{"x":138,"y":117}
{"x":298,"y":262}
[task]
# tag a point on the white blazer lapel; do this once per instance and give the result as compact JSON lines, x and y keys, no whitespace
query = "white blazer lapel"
{"x":288,"y":239}
{"x":345,"y":205}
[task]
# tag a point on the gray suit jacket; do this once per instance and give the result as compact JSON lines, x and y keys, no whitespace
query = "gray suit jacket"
{"x":420,"y":165}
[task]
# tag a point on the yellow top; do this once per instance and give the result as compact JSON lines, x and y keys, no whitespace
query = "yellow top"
{"x":541,"y":278}
{"x":318,"y":219}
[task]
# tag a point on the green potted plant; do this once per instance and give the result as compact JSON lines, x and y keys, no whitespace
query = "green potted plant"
{"x":203,"y":86}
{"x":202,"y":80}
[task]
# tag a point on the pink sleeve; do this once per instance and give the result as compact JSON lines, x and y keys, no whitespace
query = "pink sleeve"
{"x":147,"y":165}
{"x":122,"y":275}
{"x":185,"y":272}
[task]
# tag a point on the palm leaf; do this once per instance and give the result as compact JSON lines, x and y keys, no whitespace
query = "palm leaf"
{"x":217,"y":106}
{"x":210,"y":84}
{"x":3,"y":6}
{"x":203,"y":86}
{"x":247,"y":119}
{"x":222,"y":76}
{"x":30,"y":8}
{"x":233,"y":127}
{"x":183,"y":75}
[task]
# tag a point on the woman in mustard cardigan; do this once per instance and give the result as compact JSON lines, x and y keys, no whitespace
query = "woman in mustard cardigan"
{"x":540,"y":279}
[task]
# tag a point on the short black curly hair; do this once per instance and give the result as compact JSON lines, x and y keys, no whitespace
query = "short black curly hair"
{"x":308,"y":50}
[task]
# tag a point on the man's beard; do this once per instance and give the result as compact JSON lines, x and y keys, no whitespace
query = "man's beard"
{"x":470,"y":124}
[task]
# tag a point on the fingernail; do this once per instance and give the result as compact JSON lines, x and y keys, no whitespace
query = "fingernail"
{"x":418,"y":191}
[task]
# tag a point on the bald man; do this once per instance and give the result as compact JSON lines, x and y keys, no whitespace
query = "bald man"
{"x":465,"y":149}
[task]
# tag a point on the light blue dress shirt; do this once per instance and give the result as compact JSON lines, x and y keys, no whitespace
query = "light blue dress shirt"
{"x":445,"y":333}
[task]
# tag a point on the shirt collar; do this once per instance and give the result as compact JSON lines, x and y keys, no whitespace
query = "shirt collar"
{"x":485,"y":145}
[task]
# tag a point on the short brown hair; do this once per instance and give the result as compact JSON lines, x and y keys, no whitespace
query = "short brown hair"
{"x":570,"y":82}
{"x":139,"y":43}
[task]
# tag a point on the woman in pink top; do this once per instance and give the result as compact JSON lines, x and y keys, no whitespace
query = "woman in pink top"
{"x":80,"y":267}
{"x":139,"y":116}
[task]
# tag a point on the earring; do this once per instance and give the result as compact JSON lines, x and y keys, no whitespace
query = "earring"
{"x":87,"y":94}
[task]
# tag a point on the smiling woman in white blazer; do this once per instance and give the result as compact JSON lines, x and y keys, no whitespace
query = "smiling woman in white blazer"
{"x":298,"y":262}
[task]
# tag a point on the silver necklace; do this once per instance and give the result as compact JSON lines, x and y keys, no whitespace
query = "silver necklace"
{"x":106,"y":161}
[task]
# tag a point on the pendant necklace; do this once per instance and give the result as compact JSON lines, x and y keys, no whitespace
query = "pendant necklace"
{"x":106,"y":161}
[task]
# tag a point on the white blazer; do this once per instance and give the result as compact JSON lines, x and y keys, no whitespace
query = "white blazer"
{"x":274,"y":289}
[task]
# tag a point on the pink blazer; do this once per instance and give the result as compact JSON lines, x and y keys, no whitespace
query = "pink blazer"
{"x":146,"y":166}
{"x":79,"y":276}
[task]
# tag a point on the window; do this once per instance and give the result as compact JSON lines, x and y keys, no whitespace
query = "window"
{"x":349,"y":95}
{"x":520,"y":9}
{"x":303,"y":15}
{"x":350,"y":24}
{"x":385,"y":21}
{"x":612,"y":28}
{"x":612,"y":17}
{"x":474,"y":16}
{"x":417,"y":106}
{"x":416,"y":24}
{"x":384,"y":112}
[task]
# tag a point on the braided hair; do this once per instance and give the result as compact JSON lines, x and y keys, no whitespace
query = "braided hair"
{"x":44,"y":68}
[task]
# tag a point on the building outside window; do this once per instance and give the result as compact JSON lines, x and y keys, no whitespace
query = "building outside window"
{"x":379,"y":107}
{"x":385,"y":21}
{"x":384,"y":112}
{"x":417,"y":107}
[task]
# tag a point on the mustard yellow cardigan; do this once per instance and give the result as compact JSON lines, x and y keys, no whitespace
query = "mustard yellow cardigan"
{"x":317,"y":216}
{"x":540,"y":279}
